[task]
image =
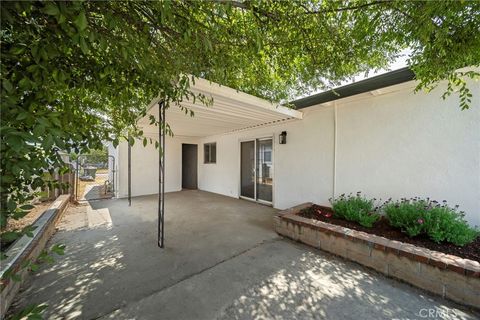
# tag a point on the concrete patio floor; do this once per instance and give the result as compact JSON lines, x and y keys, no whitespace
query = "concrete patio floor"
{"x":222,"y":261}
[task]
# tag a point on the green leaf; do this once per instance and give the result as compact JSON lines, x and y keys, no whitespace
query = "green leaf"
{"x":84,"y":46}
{"x":17,"y":50}
{"x":19,"y":214}
{"x":24,"y":83}
{"x":15,"y":142}
{"x":51,"y":9}
{"x":61,"y":19}
{"x":34,"y":267}
{"x":7,"y":85}
{"x":43,"y":54}
{"x":58,"y":249}
{"x":31,"y":312}
{"x":11,"y":204}
{"x":81,"y":21}
{"x":39,"y":130}
{"x":22,"y":116}
{"x":15,"y":277}
{"x":10,"y":236}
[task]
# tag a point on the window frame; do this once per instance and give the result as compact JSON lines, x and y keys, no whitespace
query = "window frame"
{"x":208,"y":147}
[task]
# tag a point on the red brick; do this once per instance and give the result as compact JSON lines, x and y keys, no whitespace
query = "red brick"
{"x":456,"y":268}
{"x":472,"y":268}
{"x":415,"y":253}
{"x":393,"y":246}
{"x":471,"y":273}
{"x":380,"y":243}
{"x":365,"y":237}
{"x":437,"y":260}
{"x":406,"y":253}
{"x":437,"y":263}
{"x":429,"y":270}
{"x":421,"y":258}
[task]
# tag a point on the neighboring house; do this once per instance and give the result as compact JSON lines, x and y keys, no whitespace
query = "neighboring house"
{"x":376,"y":136}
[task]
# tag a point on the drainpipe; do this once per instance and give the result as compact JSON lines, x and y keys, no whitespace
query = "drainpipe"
{"x":334,"y":149}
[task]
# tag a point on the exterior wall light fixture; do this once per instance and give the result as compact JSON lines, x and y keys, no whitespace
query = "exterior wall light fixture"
{"x":282,"y":138}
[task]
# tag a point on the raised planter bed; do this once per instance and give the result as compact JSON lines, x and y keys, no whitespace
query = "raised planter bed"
{"x":450,"y":276}
{"x":29,"y":248}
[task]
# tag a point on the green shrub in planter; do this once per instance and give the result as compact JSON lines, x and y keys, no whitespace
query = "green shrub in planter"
{"x":439,"y":221}
{"x":355,"y":208}
{"x":407,"y":215}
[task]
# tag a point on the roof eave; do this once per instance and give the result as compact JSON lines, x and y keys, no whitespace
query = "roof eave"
{"x":374,"y":83}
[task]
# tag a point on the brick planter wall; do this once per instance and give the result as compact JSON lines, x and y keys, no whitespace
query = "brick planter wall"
{"x":446,"y":275}
{"x":29,"y":248}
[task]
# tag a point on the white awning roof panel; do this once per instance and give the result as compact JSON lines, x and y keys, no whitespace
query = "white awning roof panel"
{"x":232,"y":110}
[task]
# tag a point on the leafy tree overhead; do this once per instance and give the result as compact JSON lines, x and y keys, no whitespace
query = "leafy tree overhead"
{"x":77,"y":73}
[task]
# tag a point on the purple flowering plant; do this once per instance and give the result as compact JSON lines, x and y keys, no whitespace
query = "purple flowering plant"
{"x":438,"y":221}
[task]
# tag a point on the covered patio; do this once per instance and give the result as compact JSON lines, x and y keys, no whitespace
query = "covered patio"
{"x":223,"y":260}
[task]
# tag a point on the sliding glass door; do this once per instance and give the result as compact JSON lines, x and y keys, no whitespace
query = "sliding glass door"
{"x":247,"y":169}
{"x":256,"y":169}
{"x":264,"y":170}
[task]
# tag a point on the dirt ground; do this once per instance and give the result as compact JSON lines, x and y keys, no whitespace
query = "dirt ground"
{"x":85,"y":187}
{"x":29,"y":218}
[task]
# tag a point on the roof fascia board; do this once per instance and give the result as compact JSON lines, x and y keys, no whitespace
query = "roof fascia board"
{"x":370,"y":84}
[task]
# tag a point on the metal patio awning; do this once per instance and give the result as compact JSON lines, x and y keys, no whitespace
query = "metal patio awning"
{"x":231,"y":111}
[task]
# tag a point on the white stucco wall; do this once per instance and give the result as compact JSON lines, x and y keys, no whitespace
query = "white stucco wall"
{"x":403,"y":144}
{"x":303,"y":168}
{"x":391,"y":144}
{"x":145,"y":167}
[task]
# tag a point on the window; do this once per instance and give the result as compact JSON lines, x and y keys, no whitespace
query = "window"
{"x":210,"y":152}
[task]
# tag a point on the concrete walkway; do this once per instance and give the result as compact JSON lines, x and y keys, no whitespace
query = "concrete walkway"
{"x":222,"y":261}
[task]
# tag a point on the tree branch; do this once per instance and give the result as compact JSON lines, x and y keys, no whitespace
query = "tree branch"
{"x":247,"y":6}
{"x":357,"y":7}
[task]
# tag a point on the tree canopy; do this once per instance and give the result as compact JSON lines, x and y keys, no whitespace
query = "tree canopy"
{"x":77,"y":73}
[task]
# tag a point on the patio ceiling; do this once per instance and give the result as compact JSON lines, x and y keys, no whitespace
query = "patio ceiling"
{"x":232,"y":110}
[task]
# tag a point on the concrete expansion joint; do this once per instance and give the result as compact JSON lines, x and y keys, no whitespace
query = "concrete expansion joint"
{"x":190,"y":276}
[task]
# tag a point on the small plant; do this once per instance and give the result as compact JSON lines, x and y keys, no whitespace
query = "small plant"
{"x":355,"y":208}
{"x":324,"y":213}
{"x":407,"y":215}
{"x":439,"y":222}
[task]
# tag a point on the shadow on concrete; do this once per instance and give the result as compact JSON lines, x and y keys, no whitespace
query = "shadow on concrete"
{"x":96,"y":192}
{"x":318,"y":285}
{"x":222,"y":259}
